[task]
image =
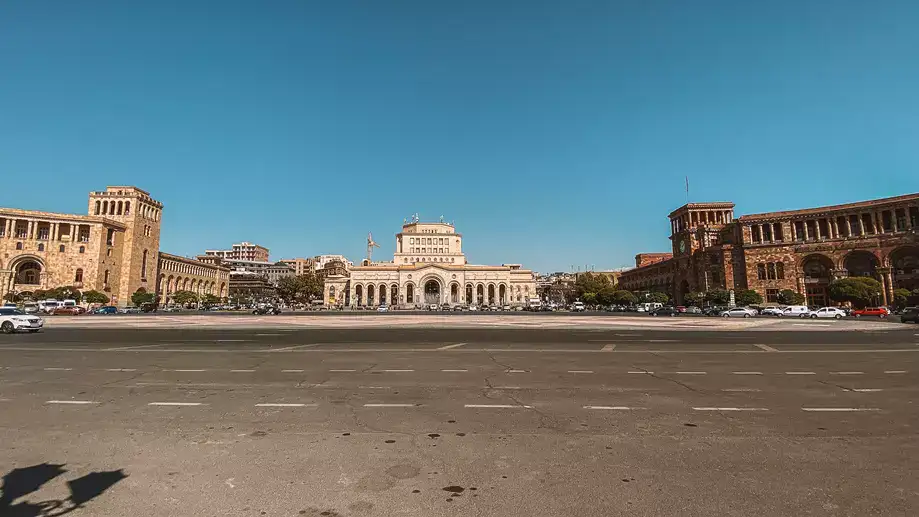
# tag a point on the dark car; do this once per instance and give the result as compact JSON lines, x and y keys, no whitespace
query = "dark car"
{"x":108,"y":309}
{"x":267,"y":310}
{"x":665,"y":311}
{"x":910,"y":314}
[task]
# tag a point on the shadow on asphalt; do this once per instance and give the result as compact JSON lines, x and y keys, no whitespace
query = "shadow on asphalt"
{"x":21,"y":482}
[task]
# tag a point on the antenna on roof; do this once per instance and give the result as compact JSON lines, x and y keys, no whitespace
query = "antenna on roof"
{"x":687,"y":189}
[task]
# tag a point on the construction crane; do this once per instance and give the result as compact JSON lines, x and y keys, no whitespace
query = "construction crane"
{"x":370,"y":245}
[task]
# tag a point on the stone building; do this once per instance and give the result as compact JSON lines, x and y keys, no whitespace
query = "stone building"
{"x":199,"y":276}
{"x":114,"y":249}
{"x":301,"y":266}
{"x":272,"y":271}
{"x":801,"y":250}
{"x":429,"y":267}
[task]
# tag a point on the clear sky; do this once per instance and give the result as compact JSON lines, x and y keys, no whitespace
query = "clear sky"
{"x":553,"y":133}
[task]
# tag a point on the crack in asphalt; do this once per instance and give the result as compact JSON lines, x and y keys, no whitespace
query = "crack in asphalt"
{"x":668,"y":379}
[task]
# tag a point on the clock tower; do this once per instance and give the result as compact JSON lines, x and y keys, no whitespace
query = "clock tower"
{"x":693,"y":226}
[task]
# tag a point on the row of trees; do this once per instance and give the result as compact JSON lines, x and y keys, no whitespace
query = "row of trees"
{"x":301,"y":289}
{"x":58,"y":293}
{"x":864,"y":291}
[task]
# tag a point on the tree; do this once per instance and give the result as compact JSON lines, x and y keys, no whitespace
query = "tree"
{"x":607,"y":295}
{"x":210,"y":299}
{"x":12,"y":297}
{"x":901,"y":297}
{"x":789,"y":297}
{"x":623,"y":297}
{"x":299,"y":289}
{"x":658,"y":297}
{"x":746,"y":297}
{"x":64,"y":293}
{"x":141,"y":296}
{"x":694,"y":298}
{"x":184,"y":297}
{"x":95,"y":297}
{"x":590,"y":283}
{"x":859,"y":291}
{"x":589,"y":298}
{"x":718,"y":297}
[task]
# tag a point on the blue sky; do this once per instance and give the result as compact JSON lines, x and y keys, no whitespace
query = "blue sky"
{"x":553,"y":133}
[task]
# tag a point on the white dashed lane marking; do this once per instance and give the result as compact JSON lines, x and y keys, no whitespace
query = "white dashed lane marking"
{"x":766,"y":348}
{"x":454,"y":371}
{"x":398,"y":371}
{"x":893,"y":372}
{"x":175,"y":404}
{"x":291,"y":371}
{"x":188,"y":370}
{"x":121,"y":369}
{"x":752,"y":390}
{"x":283,"y":404}
{"x":838,"y":409}
{"x":342,"y":370}
{"x":691,"y":373}
{"x":448,"y":347}
{"x":644,"y":372}
{"x":847,"y":373}
{"x":800,"y":373}
{"x":730,"y":409}
{"x":496,"y":406}
{"x":747,"y":373}
{"x":612,"y":408}
{"x":867,"y":390}
{"x":58,"y":369}
{"x":608,"y":348}
{"x":392,"y":405}
{"x":516,"y":371}
{"x":241,"y":371}
{"x":74,"y":402}
{"x":580,"y":371}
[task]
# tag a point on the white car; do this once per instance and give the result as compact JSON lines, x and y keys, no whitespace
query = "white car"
{"x":800,"y":311}
{"x":383,"y":308}
{"x":13,"y":320}
{"x":738,"y":312}
{"x":828,"y":312}
{"x":772,"y":311}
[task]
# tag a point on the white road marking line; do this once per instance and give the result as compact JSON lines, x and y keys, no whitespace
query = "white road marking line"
{"x":506,"y":388}
{"x":627,"y":335}
{"x":867,"y":390}
{"x":58,"y":369}
{"x":742,"y":389}
{"x":241,"y":371}
{"x":800,"y":373}
{"x":448,"y":347}
{"x":233,"y":340}
{"x":766,"y":348}
{"x":580,"y":371}
{"x":280,"y":404}
{"x":75,"y":402}
{"x":613,"y":408}
{"x":291,"y":371}
{"x":374,"y":387}
{"x":188,"y":370}
{"x":894,"y":371}
{"x":121,"y":369}
{"x":608,"y":348}
{"x":648,"y":373}
{"x":847,"y":373}
{"x":662,"y":340}
{"x":691,"y":373}
{"x":454,"y":370}
{"x":391,"y":405}
{"x":516,"y":371}
{"x":342,"y":370}
{"x":175,"y":404}
{"x":132,"y":347}
{"x":398,"y":371}
{"x":269,"y":334}
{"x":730,"y":409}
{"x":838,"y":409}
{"x":747,"y":373}
{"x":497,"y":406}
{"x":296,"y":347}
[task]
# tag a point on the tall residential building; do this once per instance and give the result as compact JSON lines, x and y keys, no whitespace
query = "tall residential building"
{"x":301,"y":266}
{"x":242,"y":251}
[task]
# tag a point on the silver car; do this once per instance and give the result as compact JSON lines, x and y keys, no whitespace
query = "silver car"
{"x":738,"y":312}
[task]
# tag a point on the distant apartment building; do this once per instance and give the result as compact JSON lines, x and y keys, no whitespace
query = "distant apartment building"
{"x":271,"y":271}
{"x":242,"y":251}
{"x":301,"y":266}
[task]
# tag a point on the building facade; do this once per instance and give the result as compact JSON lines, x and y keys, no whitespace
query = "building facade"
{"x":801,"y":250}
{"x":114,"y":249}
{"x":272,"y":271}
{"x":242,"y":251}
{"x":429,"y":267}
{"x":301,"y":266}
{"x":185,"y":274}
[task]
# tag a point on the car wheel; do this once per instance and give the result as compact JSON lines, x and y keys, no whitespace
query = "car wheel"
{"x":882,"y":316}
{"x":838,"y":316}
{"x":814,"y":317}
{"x":858,"y":316}
{"x":725,"y":315}
{"x":746,"y":315}
{"x":672,"y":314}
{"x":7,"y":327}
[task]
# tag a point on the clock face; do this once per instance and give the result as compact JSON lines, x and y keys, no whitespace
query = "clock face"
{"x":682,"y":246}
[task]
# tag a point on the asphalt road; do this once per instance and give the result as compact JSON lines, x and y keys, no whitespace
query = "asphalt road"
{"x":459,"y":422}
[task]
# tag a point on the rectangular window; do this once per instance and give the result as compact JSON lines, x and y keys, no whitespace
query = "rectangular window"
{"x":780,"y":270}
{"x":20,"y":232}
{"x":755,"y":234}
{"x":772,"y":295}
{"x":44,"y":233}
{"x":110,"y":237}
{"x":824,"y":228}
{"x":767,"y":233}
{"x":761,"y":271}
{"x":901,"y":219}
{"x":811,"y":227}
{"x":913,"y":216}
{"x":867,"y":224}
{"x":779,"y":232}
{"x":841,"y":226}
{"x":84,"y":234}
{"x":105,"y":280}
{"x":886,"y":221}
{"x":61,"y":249}
{"x":799,"y":231}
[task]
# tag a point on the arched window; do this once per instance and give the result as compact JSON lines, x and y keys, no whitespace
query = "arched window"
{"x":18,"y":245}
{"x":61,"y":249}
{"x":143,"y":265}
{"x":105,"y":278}
{"x":98,"y":207}
{"x":78,"y":276}
{"x":82,"y":249}
{"x":41,"y":247}
{"x":127,"y":208}
{"x":120,"y":207}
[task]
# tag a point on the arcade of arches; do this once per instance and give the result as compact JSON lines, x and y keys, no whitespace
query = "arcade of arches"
{"x":431,"y":292}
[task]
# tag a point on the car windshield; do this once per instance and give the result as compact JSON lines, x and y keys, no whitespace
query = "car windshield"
{"x":11,"y":312}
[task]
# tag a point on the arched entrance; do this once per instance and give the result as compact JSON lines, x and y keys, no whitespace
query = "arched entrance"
{"x":394,"y":294}
{"x":382,"y":294}
{"x":502,"y":294}
{"x":359,"y":295}
{"x":454,"y":293}
{"x":816,"y":269}
{"x":861,"y":263}
{"x":905,"y":264}
{"x":432,"y":292}
{"x":409,"y":293}
{"x":491,"y":294}
{"x":480,"y":294}
{"x":468,"y":294}
{"x":28,"y":273}
{"x":371,"y":294}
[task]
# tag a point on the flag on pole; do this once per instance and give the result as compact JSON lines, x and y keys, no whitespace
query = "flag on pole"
{"x":687,"y":189}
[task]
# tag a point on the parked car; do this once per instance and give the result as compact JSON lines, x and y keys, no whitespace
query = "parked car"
{"x":771,"y":311}
{"x":680,"y":308}
{"x":828,"y":312}
{"x":30,"y":308}
{"x":506,"y":308}
{"x":108,"y":309}
{"x":68,"y":311}
{"x":13,"y":320}
{"x":713,"y":311}
{"x":665,"y":311}
{"x":879,"y":312}
{"x":131,"y":310}
{"x":800,"y":311}
{"x":693,"y":310}
{"x":266,"y":309}
{"x":458,"y":308}
{"x":578,"y":307}
{"x":910,"y":314}
{"x":738,"y":312}
{"x":383,"y":308}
